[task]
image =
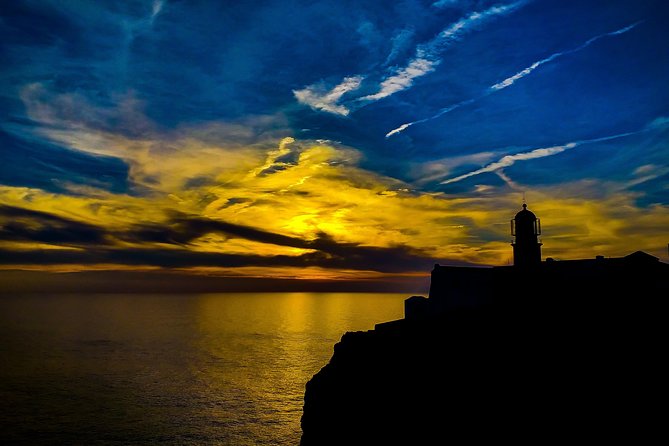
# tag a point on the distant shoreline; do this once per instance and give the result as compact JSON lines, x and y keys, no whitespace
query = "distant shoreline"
{"x":131,"y":282}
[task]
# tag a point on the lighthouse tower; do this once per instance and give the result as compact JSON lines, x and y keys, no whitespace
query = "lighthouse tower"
{"x":526,"y":228}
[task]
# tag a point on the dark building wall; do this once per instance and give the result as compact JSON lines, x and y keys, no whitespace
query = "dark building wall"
{"x":454,"y":287}
{"x":572,"y":285}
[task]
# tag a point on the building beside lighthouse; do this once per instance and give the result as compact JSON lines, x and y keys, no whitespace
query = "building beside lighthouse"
{"x":557,"y":284}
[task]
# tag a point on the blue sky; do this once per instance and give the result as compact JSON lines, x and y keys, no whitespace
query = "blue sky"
{"x":562,"y":100}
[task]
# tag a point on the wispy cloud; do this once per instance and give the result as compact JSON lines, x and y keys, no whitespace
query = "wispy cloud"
{"x":446,"y":3}
{"x":426,"y":58}
{"x":156,"y":7}
{"x":512,"y":184}
{"x":510,"y":160}
{"x":403,"y":78}
{"x":441,"y":112}
{"x":428,"y":55}
{"x":400,"y":43}
{"x":524,"y":72}
{"x":437,"y":169}
{"x":657,"y":123}
{"x":647,"y":172}
{"x":319,"y":98}
{"x":513,"y":79}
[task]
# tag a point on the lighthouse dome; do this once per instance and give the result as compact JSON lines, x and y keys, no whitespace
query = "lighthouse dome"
{"x":525,"y":215}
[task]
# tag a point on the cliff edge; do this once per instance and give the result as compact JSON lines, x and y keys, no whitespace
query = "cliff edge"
{"x":529,"y":371}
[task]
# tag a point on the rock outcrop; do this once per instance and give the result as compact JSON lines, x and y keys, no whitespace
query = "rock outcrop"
{"x":532,"y":372}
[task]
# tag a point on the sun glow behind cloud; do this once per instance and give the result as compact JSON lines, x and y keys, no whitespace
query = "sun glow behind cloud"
{"x":237,"y":202}
{"x":139,"y":137}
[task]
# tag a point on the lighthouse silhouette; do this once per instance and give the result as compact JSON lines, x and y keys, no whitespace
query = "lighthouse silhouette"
{"x":526,"y":228}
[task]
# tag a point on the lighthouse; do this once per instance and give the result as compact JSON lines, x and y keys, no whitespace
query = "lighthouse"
{"x":526,"y":228}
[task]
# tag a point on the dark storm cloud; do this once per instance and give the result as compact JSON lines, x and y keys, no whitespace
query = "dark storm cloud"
{"x":183,"y":230}
{"x":17,"y":224}
{"x":26,"y":225}
{"x":400,"y":259}
{"x":329,"y":253}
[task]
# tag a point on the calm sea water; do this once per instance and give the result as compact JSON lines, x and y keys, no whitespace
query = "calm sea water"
{"x":224,"y":369}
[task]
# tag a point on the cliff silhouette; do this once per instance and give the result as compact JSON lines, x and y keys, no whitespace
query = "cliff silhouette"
{"x":536,"y":352}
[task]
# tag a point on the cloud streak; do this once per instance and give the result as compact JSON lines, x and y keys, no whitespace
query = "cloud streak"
{"x":403,"y":78}
{"x":446,"y":3}
{"x":425,"y":60}
{"x":156,"y":7}
{"x":321,"y":99}
{"x":441,"y":112}
{"x":524,"y":72}
{"x":509,"y":81}
{"x":400,"y":41}
{"x":427,"y":56}
{"x":510,"y":160}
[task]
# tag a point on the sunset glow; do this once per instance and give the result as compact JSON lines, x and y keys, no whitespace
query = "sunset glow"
{"x":260,"y":162}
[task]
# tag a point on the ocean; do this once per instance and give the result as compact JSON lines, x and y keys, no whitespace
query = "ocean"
{"x":208,"y":369}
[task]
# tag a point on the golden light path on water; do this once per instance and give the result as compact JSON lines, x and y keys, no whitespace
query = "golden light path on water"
{"x":180,"y":369}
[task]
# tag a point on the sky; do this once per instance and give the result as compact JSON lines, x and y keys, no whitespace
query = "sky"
{"x":327,"y":141}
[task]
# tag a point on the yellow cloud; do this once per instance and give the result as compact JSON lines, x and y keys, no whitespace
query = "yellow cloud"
{"x":306,"y":188}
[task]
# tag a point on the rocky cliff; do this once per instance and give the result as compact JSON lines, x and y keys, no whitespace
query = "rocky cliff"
{"x":528,"y":373}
